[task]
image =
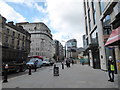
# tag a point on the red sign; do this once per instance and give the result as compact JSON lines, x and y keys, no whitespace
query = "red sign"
{"x":115,"y":36}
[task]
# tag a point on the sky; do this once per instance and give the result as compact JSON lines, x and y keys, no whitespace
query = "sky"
{"x":65,"y":18}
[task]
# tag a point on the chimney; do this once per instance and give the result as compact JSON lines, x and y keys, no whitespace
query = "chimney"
{"x":11,"y":23}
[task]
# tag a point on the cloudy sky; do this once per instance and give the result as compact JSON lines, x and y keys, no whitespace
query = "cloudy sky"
{"x":65,"y":18}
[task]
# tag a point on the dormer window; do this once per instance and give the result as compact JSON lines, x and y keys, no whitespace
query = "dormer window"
{"x":35,"y":28}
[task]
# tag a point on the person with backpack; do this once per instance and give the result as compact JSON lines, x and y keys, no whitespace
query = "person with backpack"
{"x":111,"y":69}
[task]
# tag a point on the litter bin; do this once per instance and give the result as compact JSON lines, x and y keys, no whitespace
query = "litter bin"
{"x":56,"y":71}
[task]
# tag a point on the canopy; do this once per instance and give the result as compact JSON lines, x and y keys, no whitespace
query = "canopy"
{"x":40,"y":57}
{"x":114,"y":38}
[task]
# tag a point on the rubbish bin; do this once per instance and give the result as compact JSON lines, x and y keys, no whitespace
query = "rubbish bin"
{"x":56,"y":71}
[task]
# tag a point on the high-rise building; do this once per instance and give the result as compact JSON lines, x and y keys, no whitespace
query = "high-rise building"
{"x":102,"y":26}
{"x":71,"y":48}
{"x":41,"y":39}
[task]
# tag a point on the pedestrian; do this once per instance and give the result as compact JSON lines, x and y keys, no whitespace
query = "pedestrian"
{"x":66,"y":62}
{"x":72,"y":61}
{"x":35,"y":65}
{"x":62,"y":63}
{"x":111,"y":69}
{"x":69,"y":62}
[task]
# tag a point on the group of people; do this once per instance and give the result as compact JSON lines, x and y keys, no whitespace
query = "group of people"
{"x":69,"y":61}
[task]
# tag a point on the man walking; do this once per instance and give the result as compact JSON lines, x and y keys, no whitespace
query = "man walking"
{"x":111,"y":69}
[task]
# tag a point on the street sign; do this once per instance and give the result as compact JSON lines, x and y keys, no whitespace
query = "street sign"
{"x":56,"y":71}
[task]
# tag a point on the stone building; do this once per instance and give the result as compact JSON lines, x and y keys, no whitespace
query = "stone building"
{"x":71,"y":48}
{"x":102,"y":26}
{"x":15,"y":42}
{"x":59,"y":55}
{"x":41,"y":39}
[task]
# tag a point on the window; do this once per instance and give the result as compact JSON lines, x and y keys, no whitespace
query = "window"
{"x":89,"y":15}
{"x":23,"y":38}
{"x":18,"y":35}
{"x":87,"y":41}
{"x":89,"y":20}
{"x":23,"y":44}
{"x":12,"y":40}
{"x":106,"y":25}
{"x":94,"y":37}
{"x":87,"y":3}
{"x":85,"y":8}
{"x":107,"y":31}
{"x":101,"y":4}
{"x":35,"y":28}
{"x":18,"y":43}
{"x":13,"y":33}
{"x":94,"y":12}
{"x":86,"y":26}
{"x":8,"y":31}
{"x":6,"y":39}
{"x":106,"y":21}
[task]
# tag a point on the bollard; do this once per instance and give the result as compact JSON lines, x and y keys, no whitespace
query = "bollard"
{"x":5,"y":74}
{"x":29,"y":69}
{"x":62,"y":66}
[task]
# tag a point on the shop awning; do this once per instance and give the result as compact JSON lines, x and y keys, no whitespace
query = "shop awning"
{"x":114,"y":38}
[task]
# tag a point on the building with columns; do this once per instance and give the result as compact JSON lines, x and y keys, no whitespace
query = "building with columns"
{"x":41,"y":39}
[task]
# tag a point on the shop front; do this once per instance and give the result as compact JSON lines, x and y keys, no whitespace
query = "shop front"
{"x":114,"y":42}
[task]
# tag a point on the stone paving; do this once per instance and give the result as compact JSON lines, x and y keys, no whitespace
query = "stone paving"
{"x":77,"y":76}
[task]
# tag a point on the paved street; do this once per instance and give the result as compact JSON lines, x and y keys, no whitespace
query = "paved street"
{"x":77,"y":76}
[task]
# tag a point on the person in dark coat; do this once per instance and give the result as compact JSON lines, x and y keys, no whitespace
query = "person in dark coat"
{"x":111,"y":69}
{"x":72,"y":61}
{"x":67,"y":62}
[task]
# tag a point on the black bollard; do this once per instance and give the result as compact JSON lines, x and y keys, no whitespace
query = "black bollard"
{"x":62,"y":66}
{"x":5,"y":74}
{"x":29,"y":69}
